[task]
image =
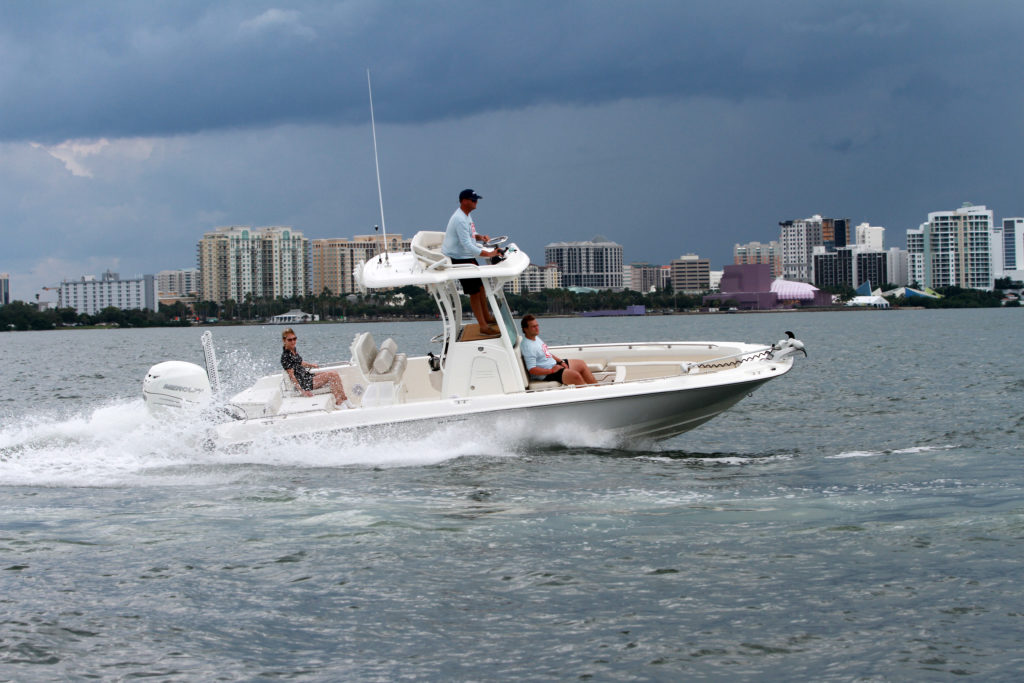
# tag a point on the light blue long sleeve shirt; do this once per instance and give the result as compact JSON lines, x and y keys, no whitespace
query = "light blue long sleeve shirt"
{"x":460,"y":237}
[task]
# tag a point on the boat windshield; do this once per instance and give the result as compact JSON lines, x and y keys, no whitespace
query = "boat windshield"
{"x":507,"y":320}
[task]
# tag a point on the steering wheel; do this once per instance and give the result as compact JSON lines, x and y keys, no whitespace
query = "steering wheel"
{"x":495,"y":241}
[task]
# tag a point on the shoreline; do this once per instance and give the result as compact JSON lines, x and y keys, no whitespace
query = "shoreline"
{"x":395,"y":319}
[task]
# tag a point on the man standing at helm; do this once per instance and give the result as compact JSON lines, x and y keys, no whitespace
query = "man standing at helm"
{"x":462,"y":245}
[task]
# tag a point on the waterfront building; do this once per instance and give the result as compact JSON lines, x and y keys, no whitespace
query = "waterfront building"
{"x":691,"y":274}
{"x":835,"y":233}
{"x":849,"y":266}
{"x":1013,"y":248}
{"x":799,"y":237}
{"x":294,"y":317}
{"x":897,"y":267}
{"x":998,"y":250}
{"x":915,"y":256}
{"x":5,"y":289}
{"x":954,"y":248}
{"x":178,"y":283}
{"x":1013,"y":243}
{"x":336,"y":260}
{"x":537,"y":278}
{"x":236,"y":261}
{"x":534,"y":279}
{"x":871,"y":237}
{"x":645,"y":277}
{"x":752,"y":287}
{"x":756,"y":252}
{"x":596,"y":264}
{"x":90,"y":296}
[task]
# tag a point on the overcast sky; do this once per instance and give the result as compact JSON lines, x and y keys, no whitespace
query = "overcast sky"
{"x":127,"y":129}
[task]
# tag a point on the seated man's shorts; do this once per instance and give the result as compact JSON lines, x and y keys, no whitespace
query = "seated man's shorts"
{"x":554,"y":376}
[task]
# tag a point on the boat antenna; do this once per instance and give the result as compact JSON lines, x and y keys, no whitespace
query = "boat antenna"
{"x":376,"y":160}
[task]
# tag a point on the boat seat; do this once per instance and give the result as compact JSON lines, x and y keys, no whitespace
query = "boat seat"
{"x":599,"y":368}
{"x":299,"y":404}
{"x":536,"y":384}
{"x":378,"y":365}
{"x":543,"y":385}
{"x":426,"y":246}
{"x":288,"y":387}
{"x":258,"y":402}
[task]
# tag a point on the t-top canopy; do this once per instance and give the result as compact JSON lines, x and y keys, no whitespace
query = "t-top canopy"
{"x":426,"y":265}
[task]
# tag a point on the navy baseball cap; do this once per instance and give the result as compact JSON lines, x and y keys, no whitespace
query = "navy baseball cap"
{"x":469,"y":194}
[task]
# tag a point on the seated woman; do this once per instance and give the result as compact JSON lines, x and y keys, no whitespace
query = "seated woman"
{"x":303,"y":379}
{"x":545,"y":366}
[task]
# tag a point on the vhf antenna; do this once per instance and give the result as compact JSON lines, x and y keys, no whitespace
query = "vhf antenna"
{"x":376,"y":160}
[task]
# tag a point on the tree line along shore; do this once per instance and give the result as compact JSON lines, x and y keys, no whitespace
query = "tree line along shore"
{"x":414,"y":303}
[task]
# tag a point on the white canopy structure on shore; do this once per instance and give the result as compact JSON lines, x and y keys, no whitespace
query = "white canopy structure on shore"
{"x":868,"y":301}
{"x":293,"y":317}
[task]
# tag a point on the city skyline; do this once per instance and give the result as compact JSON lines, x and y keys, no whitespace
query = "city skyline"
{"x":684,"y":126}
{"x":236,"y":258}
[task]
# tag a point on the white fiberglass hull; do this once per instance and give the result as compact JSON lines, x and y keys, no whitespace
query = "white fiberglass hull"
{"x":649,"y":409}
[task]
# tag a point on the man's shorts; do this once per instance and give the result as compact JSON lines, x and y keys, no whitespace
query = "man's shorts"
{"x":554,"y":376}
{"x":472,"y":285}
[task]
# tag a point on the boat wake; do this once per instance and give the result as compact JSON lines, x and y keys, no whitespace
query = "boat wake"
{"x":899,"y":451}
{"x":120,"y":444}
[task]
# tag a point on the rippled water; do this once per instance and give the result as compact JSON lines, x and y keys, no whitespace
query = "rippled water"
{"x":861,"y":518}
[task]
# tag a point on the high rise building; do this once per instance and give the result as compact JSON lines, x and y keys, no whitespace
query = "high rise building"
{"x":537,"y":278}
{"x":797,"y":240}
{"x":954,"y":248}
{"x":915,"y":256}
{"x":1013,"y":244}
{"x":870,"y":237}
{"x":691,"y":274}
{"x":799,"y":237}
{"x":849,"y":266}
{"x":285,"y":262}
{"x":235,"y":261}
{"x":897,"y":267}
{"x":534,"y":279}
{"x":335,"y":261}
{"x":90,"y":296}
{"x":997,"y":250}
{"x":756,"y":252}
{"x":5,"y":289}
{"x":835,"y":233}
{"x":596,"y":264}
{"x":178,"y":283}
{"x":643,"y":277}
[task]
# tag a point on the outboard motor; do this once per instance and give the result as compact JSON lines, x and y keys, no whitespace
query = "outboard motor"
{"x":175,"y":384}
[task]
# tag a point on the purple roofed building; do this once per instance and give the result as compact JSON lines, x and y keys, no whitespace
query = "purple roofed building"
{"x":751,"y":288}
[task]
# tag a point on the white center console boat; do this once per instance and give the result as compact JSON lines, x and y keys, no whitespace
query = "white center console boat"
{"x":645,"y":390}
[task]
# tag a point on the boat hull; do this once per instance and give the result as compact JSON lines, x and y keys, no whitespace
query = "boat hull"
{"x":647,"y":410}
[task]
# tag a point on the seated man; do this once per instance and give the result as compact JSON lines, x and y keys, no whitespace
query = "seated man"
{"x":543,"y":365}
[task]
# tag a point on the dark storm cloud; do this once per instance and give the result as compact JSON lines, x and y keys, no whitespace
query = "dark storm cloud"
{"x":127,"y":129}
{"x":85,"y":70}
